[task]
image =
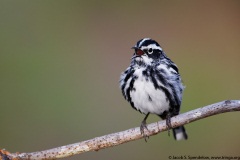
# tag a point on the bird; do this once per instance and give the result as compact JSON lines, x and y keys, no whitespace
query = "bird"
{"x":152,"y":85}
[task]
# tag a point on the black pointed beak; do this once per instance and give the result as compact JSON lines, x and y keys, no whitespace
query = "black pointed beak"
{"x":134,"y":48}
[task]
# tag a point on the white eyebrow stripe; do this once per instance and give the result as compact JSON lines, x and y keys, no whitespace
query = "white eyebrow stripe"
{"x":143,"y":41}
{"x":153,"y":46}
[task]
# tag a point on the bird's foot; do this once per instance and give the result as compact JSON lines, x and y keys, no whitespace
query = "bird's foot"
{"x":168,"y":123}
{"x":142,"y":127}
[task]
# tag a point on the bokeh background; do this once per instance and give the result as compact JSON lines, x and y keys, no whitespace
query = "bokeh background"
{"x":60,"y":63}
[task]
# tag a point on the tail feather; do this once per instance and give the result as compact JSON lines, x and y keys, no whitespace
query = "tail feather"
{"x":180,"y":133}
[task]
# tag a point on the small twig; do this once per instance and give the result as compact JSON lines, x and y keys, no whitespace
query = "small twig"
{"x":118,"y":138}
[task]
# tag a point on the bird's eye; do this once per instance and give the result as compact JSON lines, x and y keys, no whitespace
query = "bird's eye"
{"x":150,"y":50}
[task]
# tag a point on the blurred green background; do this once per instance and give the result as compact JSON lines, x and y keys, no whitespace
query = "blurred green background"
{"x":60,"y":63}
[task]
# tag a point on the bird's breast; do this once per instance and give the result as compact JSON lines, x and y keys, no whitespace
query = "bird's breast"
{"x":146,"y":97}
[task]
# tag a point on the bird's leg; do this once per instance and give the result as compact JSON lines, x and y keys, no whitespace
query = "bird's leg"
{"x":168,"y":123}
{"x":144,"y":126}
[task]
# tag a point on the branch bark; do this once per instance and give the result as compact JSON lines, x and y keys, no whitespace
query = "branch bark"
{"x":118,"y":138}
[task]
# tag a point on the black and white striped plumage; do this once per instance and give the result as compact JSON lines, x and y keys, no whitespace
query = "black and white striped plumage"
{"x":152,"y":84}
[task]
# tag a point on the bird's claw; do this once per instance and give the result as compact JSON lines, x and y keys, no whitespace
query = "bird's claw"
{"x":142,"y":127}
{"x":168,"y":123}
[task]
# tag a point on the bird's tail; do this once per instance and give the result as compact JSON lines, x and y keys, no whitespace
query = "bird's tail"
{"x":180,"y":133}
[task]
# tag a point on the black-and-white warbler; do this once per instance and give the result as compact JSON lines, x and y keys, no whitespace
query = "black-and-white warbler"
{"x":152,"y":84}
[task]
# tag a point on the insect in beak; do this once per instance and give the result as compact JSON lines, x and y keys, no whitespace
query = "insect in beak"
{"x":138,"y":51}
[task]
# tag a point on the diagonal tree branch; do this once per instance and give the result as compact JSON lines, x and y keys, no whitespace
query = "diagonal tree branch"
{"x":132,"y":134}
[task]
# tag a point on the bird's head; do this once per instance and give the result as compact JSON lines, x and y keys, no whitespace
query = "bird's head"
{"x":147,"y":51}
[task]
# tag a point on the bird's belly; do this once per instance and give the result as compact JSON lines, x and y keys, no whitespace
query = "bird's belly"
{"x":148,"y":99}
